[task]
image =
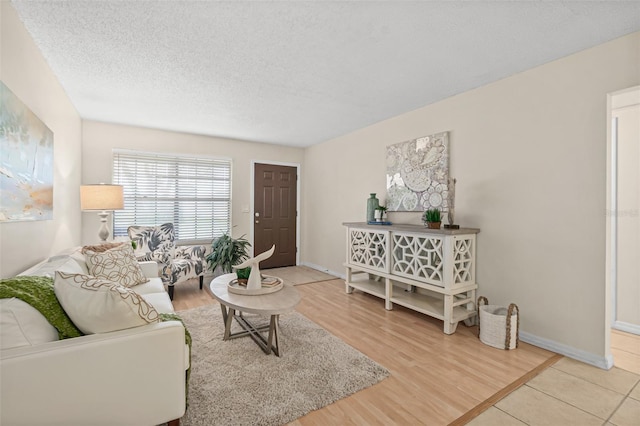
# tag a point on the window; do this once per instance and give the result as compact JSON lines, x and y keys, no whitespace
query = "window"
{"x":192,"y":193}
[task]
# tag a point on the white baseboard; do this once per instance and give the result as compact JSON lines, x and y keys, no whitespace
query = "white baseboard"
{"x":578,"y":354}
{"x":626,"y":327}
{"x":323,"y":269}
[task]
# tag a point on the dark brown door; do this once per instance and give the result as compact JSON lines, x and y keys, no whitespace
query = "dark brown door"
{"x":275,"y":214}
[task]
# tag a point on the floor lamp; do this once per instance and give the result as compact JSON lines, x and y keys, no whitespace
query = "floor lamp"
{"x":101,"y":197}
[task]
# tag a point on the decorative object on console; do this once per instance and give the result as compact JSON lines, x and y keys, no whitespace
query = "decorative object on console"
{"x":27,"y":162}
{"x":432,"y":218}
{"x":380,"y":212}
{"x":102,"y":198}
{"x":498,"y":326}
{"x":418,"y":173}
{"x":451,"y":201}
{"x":372,"y":205}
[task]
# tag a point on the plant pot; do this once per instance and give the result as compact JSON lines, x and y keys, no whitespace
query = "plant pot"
{"x":378,"y":215}
{"x":433,"y":225}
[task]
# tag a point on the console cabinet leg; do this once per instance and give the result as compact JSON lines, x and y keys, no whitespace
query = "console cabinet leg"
{"x":388,"y":294}
{"x":347,"y":288}
{"x":450,"y":327}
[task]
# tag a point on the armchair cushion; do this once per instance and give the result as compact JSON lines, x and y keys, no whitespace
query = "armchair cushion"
{"x":155,"y":243}
{"x":114,"y":262}
{"x":99,"y":306}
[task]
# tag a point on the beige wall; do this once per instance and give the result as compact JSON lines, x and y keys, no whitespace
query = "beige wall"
{"x":100,"y":139}
{"x":26,"y":73}
{"x":529,"y":153}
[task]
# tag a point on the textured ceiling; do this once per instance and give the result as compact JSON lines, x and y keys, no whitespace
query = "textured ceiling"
{"x":298,"y":73}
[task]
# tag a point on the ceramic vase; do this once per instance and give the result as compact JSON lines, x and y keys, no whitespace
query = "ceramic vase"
{"x":372,"y":204}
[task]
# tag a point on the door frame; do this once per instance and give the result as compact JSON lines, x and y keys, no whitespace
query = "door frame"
{"x":252,"y":185}
{"x":623,"y":97}
{"x":611,"y":227}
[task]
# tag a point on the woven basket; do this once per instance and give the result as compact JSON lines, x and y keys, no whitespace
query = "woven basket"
{"x":498,"y":326}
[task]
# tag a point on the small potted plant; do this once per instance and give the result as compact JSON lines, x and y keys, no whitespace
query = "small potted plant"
{"x":226,"y":252}
{"x":380,"y":212}
{"x":243,"y":275}
{"x":432,"y":218}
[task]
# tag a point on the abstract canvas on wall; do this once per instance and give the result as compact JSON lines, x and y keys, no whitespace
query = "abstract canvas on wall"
{"x":418,"y":174}
{"x":26,"y":162}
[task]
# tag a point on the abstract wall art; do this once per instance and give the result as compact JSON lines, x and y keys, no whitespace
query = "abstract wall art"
{"x":418,"y":174}
{"x":26,"y":162}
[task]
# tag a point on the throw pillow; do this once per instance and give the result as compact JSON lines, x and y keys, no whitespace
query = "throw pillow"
{"x":100,"y":248}
{"x":99,"y":306}
{"x":115,"y":263}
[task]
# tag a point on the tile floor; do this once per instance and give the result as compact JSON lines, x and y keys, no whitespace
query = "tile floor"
{"x":570,"y":393}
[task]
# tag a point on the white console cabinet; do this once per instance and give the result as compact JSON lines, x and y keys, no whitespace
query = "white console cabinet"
{"x":432,"y":271}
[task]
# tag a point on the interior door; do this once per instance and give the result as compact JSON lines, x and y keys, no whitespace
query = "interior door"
{"x":275,"y":212}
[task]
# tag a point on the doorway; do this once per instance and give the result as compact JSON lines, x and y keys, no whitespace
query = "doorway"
{"x":275,"y":213}
{"x":623,"y":233}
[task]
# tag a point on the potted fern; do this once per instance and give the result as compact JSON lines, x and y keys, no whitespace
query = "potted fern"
{"x":226,"y":252}
{"x":432,"y":218}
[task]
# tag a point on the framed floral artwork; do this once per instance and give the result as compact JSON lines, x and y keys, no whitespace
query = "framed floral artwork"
{"x":418,"y":174}
{"x":26,"y":163}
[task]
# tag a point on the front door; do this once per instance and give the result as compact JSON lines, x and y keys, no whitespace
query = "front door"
{"x":275,"y":201}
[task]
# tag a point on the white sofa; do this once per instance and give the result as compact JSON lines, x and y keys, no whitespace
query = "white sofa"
{"x":134,"y":376}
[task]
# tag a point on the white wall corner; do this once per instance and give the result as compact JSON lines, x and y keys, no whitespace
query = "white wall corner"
{"x":604,"y":362}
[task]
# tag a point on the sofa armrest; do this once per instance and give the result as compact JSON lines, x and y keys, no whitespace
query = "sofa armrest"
{"x":149,"y":268}
{"x":134,"y":376}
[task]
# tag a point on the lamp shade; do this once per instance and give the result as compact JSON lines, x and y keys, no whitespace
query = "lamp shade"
{"x":101,"y":197}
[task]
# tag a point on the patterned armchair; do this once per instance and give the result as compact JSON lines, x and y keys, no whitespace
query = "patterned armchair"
{"x":177,"y":264}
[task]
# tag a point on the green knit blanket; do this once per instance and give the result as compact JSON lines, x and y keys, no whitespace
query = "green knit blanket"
{"x":38,"y":292}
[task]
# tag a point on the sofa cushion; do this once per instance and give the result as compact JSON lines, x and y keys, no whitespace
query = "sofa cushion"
{"x":154,"y":285}
{"x":22,"y":325}
{"x":160,"y":301}
{"x":96,"y":305}
{"x":115,"y":262}
{"x":38,"y":292}
{"x":59,"y":263}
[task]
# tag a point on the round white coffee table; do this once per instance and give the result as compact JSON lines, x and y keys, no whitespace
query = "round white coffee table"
{"x":272,"y":304}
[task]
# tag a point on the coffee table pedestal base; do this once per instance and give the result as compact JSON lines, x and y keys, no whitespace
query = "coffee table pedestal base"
{"x":268,"y":345}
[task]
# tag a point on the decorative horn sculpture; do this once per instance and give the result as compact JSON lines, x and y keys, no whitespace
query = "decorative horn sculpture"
{"x":255,"y":278}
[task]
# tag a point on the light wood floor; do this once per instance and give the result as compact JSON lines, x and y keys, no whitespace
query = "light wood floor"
{"x":435,"y":379}
{"x":625,"y":348}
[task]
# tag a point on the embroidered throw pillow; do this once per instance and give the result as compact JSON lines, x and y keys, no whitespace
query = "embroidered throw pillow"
{"x":99,"y":306}
{"x":114,"y":263}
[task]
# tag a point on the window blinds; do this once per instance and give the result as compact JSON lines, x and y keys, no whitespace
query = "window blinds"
{"x":192,"y":193}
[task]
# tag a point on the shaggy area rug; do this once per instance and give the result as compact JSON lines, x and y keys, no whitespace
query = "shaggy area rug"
{"x":236,"y":383}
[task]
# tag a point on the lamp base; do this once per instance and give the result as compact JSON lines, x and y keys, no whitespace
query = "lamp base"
{"x":104,"y":230}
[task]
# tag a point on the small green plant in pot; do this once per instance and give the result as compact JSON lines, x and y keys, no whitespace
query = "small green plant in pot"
{"x":243,"y":274}
{"x":226,"y":252}
{"x":380,"y":212}
{"x":432,"y":218}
